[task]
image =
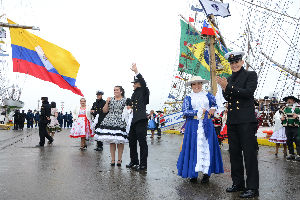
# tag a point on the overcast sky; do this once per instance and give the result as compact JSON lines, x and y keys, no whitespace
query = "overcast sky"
{"x":106,"y":37}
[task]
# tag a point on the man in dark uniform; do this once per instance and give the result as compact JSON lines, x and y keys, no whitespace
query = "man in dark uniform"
{"x":36,"y":118}
{"x":138,"y":129}
{"x":44,"y":120}
{"x":22,"y":119}
{"x":16,"y":119}
{"x":66,"y":117}
{"x":60,"y":119}
{"x":70,"y":120}
{"x":239,"y":90}
{"x":97,"y":111}
{"x":29,"y":119}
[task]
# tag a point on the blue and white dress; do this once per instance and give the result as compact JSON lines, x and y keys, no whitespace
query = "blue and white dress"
{"x":200,"y":148}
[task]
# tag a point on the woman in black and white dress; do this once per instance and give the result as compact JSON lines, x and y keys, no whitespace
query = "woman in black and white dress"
{"x":113,"y":128}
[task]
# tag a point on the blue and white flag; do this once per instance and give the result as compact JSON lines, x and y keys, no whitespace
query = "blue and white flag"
{"x":215,"y":8}
{"x":171,"y":96}
{"x":193,"y":8}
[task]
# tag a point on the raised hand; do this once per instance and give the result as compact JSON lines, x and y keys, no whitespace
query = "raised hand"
{"x":134,"y":68}
{"x":108,"y":100}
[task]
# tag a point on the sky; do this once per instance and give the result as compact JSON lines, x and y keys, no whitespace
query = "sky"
{"x":106,"y":37}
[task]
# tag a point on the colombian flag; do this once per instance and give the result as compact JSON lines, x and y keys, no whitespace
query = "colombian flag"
{"x":39,"y":58}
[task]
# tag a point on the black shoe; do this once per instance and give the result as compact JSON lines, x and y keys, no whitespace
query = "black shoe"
{"x":193,"y":180}
{"x":142,"y":168}
{"x":112,"y":163}
{"x":205,"y":179}
{"x":249,"y":194}
{"x":99,"y":149}
{"x":119,"y":163}
{"x":50,"y":141}
{"x":38,"y":145}
{"x":132,"y":165}
{"x":297,"y":158}
{"x":235,"y":188}
{"x":291,"y":157}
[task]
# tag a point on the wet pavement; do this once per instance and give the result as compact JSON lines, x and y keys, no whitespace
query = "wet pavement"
{"x":63,"y":172}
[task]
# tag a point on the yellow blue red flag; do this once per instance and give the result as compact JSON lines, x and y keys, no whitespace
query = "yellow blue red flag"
{"x":39,"y":58}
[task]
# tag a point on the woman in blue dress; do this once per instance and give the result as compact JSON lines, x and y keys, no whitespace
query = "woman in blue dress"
{"x":151,"y":123}
{"x":200,"y":149}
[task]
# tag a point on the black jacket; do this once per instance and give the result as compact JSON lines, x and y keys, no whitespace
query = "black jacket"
{"x":98,"y":107}
{"x":45,"y":112}
{"x":240,"y":96}
{"x":140,"y":98}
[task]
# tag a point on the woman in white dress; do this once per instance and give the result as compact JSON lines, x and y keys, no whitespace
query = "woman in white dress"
{"x":112,"y":129}
{"x":81,"y":127}
{"x":278,"y":137}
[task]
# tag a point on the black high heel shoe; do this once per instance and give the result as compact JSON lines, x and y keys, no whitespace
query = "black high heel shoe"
{"x":83,"y":148}
{"x":112,"y":163}
{"x":119,"y":163}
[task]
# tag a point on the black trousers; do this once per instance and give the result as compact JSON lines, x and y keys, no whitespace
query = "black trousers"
{"x":138,"y":132}
{"x":99,"y":144}
{"x":43,"y":134}
{"x":218,"y":131}
{"x":292,"y":136}
{"x":243,"y":144}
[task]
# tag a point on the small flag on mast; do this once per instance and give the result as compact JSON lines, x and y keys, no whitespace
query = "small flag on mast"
{"x":215,"y":8}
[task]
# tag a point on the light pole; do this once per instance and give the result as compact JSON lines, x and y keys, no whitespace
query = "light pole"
{"x":62,"y":106}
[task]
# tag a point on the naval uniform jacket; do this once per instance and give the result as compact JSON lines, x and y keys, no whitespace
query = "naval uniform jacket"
{"x":45,"y":112}
{"x":98,"y":107}
{"x":140,"y":98}
{"x":240,"y":96}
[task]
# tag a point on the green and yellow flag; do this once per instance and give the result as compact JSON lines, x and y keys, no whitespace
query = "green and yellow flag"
{"x":194,"y":54}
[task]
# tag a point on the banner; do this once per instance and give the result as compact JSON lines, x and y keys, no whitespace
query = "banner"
{"x":173,"y":119}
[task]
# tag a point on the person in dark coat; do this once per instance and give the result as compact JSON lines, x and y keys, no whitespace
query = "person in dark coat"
{"x":66,"y":118}
{"x":29,"y":119}
{"x":22,"y":119}
{"x":138,"y":129}
{"x":97,"y":112}
{"x":239,"y":90}
{"x":44,"y":120}
{"x":60,"y":119}
{"x":16,"y":119}
{"x":70,"y":120}
{"x":37,"y":118}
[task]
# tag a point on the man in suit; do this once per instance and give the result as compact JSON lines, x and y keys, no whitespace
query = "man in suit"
{"x":239,"y":90}
{"x":44,"y":120}
{"x":66,"y":117}
{"x":97,"y":109}
{"x":36,"y":118}
{"x":138,"y":129}
{"x":29,"y":119}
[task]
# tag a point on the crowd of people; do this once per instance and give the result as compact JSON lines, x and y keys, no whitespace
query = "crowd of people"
{"x":32,"y":118}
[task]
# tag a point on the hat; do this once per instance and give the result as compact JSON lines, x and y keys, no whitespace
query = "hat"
{"x":196,"y":79}
{"x":135,"y":80}
{"x":290,"y":97}
{"x":44,"y":98}
{"x":234,"y":56}
{"x":99,"y":92}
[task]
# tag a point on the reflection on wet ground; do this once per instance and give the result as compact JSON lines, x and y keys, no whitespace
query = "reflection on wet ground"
{"x":62,"y":171}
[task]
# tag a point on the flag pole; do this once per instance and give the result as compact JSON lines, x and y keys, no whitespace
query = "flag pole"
{"x":212,"y":59}
{"x":18,"y":26}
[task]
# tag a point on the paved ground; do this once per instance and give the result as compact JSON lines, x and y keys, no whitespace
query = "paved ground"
{"x":62,"y":172}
